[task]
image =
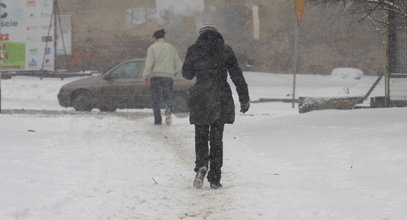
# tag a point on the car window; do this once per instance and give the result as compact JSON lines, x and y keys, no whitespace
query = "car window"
{"x":127,"y":70}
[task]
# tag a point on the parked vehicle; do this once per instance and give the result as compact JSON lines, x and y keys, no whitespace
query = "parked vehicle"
{"x":119,"y":87}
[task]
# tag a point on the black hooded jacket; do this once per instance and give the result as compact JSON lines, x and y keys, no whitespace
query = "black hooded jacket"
{"x":210,"y":60}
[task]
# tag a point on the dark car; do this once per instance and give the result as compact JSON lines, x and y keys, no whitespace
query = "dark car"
{"x":119,"y":87}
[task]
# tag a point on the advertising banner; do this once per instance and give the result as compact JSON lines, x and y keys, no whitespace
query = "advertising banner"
{"x":26,"y":38}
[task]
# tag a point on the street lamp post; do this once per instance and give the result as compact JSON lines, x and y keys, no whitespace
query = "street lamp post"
{"x":295,"y":61}
{"x":299,"y":11}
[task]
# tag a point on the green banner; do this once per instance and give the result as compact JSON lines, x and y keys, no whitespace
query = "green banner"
{"x":13,"y":55}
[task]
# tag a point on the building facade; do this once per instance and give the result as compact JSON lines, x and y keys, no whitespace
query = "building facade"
{"x":104,"y":32}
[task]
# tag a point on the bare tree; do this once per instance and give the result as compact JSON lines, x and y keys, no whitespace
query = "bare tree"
{"x":391,"y":14}
{"x":385,"y":15}
{"x":369,"y":8}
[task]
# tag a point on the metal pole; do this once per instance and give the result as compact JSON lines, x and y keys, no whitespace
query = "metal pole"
{"x":55,"y":5}
{"x":392,"y":64}
{"x":295,"y":60}
{"x":46,"y":42}
{"x":0,"y":91}
{"x":1,"y":53}
{"x":387,"y":66}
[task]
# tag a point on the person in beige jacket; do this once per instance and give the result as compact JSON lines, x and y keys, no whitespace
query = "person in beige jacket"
{"x":162,"y":62}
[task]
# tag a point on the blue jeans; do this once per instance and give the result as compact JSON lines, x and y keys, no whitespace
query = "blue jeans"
{"x":162,"y":85}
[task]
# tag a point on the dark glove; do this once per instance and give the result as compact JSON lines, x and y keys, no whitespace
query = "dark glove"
{"x":244,"y":107}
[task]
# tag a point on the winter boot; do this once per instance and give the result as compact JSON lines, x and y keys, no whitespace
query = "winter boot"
{"x":216,"y":185}
{"x":168,"y":116}
{"x":199,"y":177}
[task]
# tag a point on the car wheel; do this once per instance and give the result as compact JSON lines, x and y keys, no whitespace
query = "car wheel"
{"x":83,"y":101}
{"x":181,"y":100}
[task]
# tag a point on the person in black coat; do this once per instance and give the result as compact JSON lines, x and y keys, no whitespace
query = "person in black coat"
{"x":211,"y":103}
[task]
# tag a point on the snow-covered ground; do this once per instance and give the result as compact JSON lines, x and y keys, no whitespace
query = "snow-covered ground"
{"x":278,"y":164}
{"x":34,"y":93}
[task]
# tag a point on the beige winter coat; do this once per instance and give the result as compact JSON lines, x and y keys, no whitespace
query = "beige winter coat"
{"x":162,"y":60}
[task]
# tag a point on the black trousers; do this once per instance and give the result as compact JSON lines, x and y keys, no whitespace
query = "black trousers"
{"x":213,"y":134}
{"x":158,"y":86}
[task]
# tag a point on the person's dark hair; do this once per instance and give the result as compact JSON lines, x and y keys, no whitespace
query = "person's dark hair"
{"x":159,"y":34}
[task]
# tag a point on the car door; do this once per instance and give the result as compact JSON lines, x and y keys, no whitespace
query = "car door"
{"x":124,"y":86}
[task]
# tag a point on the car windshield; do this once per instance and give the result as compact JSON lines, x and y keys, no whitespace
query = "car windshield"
{"x":131,"y":69}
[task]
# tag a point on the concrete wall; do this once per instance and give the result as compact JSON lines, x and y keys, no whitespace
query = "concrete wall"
{"x":105,"y":32}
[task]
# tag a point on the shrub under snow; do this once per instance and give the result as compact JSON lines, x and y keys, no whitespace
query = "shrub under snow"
{"x":347,"y":73}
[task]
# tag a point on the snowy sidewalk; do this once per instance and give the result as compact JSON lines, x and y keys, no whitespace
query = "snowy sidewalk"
{"x":278,"y":165}
{"x":86,"y":167}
